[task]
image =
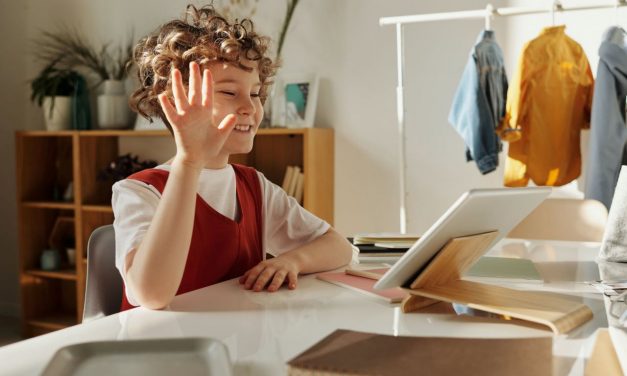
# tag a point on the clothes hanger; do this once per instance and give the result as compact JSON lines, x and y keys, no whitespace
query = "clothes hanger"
{"x":556,"y":7}
{"x":489,"y":14}
{"x":617,"y":6}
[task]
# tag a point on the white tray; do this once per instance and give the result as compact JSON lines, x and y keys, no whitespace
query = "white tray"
{"x":185,"y":356}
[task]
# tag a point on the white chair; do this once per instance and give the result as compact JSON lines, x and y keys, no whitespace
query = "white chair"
{"x":103,"y":293}
{"x":564,"y":219}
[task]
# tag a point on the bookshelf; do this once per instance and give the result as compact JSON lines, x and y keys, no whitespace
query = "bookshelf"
{"x":48,"y":161}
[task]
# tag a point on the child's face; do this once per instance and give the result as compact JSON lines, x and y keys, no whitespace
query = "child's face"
{"x":236,"y":91}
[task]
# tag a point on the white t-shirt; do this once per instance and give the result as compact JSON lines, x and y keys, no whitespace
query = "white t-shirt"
{"x":286,"y":224}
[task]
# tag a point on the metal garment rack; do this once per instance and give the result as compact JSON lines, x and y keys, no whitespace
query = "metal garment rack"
{"x":488,"y":13}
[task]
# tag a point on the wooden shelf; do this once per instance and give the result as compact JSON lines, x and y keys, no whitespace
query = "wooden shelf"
{"x":98,"y":208}
{"x":67,"y":274}
{"x":53,"y":322}
{"x":49,"y":205}
{"x":46,"y":133}
{"x":124,"y":133}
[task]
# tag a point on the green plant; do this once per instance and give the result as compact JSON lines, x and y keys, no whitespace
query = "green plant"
{"x":71,"y":49}
{"x":53,"y":81}
{"x":248,"y":8}
{"x":289,"y":12}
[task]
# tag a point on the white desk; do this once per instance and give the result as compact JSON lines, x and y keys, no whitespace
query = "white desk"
{"x":264,"y":330}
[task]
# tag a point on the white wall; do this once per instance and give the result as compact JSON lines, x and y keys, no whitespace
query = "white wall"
{"x":367,"y":159}
{"x":342,"y":41}
{"x":13,"y":96}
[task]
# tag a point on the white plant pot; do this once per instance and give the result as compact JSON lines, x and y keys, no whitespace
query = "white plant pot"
{"x":113,"y":87}
{"x":113,"y":110}
{"x":61,"y":117}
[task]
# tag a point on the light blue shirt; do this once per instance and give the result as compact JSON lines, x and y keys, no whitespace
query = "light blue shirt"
{"x":479,"y":103}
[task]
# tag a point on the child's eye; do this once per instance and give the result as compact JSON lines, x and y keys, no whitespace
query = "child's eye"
{"x":254,"y":95}
{"x":227,"y":93}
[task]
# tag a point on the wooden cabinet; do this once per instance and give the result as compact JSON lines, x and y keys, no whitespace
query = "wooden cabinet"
{"x":47,"y":162}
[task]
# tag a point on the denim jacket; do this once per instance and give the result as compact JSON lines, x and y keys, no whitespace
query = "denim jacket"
{"x":479,"y":102}
{"x":608,"y":134}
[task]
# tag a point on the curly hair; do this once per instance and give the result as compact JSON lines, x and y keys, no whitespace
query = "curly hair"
{"x":202,"y":36}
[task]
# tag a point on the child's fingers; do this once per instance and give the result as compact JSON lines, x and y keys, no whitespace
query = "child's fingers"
{"x":242,"y":279}
{"x":195,"y":85}
{"x":277,"y":280}
{"x":180,"y":99}
{"x":207,"y":88}
{"x":263,"y":279}
{"x":168,"y":108}
{"x":292,"y":280}
{"x":252,"y":276}
{"x":227,"y":123}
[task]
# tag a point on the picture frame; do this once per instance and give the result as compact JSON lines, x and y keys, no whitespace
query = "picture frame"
{"x":296,"y":99}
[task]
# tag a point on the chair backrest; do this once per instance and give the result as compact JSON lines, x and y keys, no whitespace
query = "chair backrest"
{"x":103,"y":293}
{"x":564,"y":219}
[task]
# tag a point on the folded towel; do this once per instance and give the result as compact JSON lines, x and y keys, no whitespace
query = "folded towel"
{"x":614,"y":246}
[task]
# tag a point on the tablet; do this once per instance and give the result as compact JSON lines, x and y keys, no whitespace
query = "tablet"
{"x":476,"y":211}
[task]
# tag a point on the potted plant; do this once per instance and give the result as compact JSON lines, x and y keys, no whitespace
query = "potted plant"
{"x":109,"y":68}
{"x":52,"y":89}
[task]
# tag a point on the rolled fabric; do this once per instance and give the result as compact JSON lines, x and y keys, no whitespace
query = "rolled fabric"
{"x":614,"y":246}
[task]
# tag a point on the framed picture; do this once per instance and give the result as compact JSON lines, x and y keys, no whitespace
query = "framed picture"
{"x":298,"y":97}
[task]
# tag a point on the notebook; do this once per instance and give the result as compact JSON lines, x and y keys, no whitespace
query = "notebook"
{"x":346,"y":352}
{"x":384,"y":237}
{"x":363,"y":285}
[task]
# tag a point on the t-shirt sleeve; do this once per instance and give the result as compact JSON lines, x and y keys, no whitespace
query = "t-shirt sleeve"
{"x":287,"y":225}
{"x":134,"y":205}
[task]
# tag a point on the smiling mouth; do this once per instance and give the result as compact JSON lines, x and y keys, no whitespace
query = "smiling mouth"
{"x":245,"y":128}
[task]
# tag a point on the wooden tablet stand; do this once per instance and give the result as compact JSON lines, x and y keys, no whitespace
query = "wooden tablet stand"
{"x":441,"y":281}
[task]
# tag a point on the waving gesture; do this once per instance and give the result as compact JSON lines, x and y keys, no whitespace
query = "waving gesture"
{"x":198,"y":139}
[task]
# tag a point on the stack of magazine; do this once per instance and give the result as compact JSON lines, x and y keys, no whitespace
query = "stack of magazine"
{"x":382,"y":247}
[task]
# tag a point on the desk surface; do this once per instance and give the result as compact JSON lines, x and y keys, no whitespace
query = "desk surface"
{"x":264,"y":330}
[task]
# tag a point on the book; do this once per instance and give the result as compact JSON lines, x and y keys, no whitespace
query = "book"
{"x":287,"y":178}
{"x":293,"y":180}
{"x":298,"y":191}
{"x":391,"y":253}
{"x":499,"y":269}
{"x":365,"y":259}
{"x":395,"y":245}
{"x":367,"y":273}
{"x":348,"y":352}
{"x":363,"y":285}
{"x":372,"y":248}
{"x":384,"y":237}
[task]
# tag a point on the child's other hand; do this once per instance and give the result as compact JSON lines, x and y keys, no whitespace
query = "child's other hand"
{"x":191,"y":116}
{"x":272,"y":273}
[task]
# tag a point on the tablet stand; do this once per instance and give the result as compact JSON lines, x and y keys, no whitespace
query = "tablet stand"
{"x":441,"y":280}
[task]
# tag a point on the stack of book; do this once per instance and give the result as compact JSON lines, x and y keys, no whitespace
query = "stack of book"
{"x":293,"y":182}
{"x":382,"y":247}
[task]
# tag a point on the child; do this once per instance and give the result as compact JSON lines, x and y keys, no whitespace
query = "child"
{"x":206,"y":79}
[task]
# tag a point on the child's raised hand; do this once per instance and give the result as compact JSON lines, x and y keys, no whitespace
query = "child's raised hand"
{"x":271,"y":273}
{"x":197,"y":138}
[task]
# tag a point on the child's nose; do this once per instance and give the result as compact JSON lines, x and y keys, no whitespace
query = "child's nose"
{"x":246,"y":106}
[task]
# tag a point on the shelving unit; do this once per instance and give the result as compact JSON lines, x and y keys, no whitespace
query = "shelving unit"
{"x":48,"y":161}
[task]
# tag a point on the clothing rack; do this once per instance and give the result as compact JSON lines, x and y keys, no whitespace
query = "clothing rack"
{"x":488,"y":13}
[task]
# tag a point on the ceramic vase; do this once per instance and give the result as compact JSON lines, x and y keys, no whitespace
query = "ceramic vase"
{"x":60,"y":118}
{"x":113,"y":110}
